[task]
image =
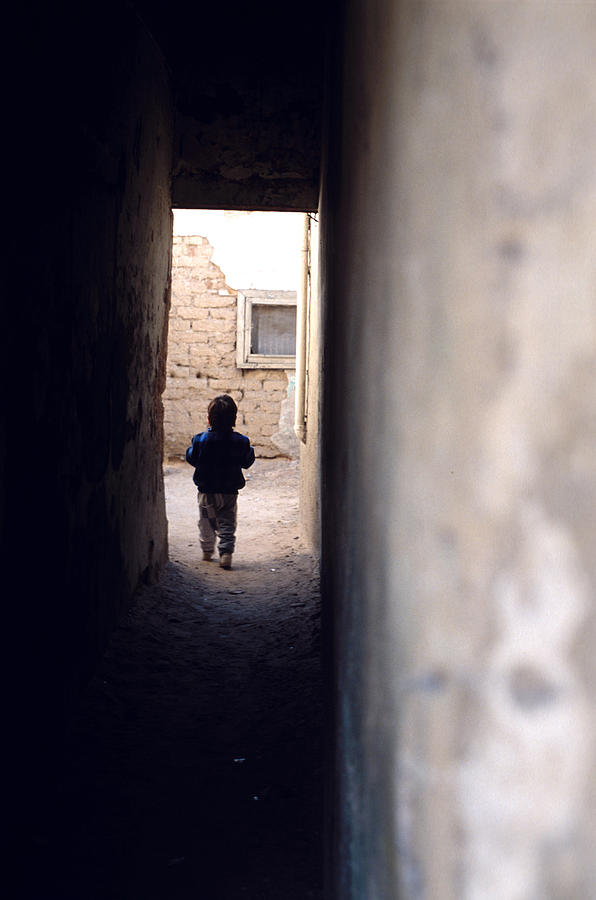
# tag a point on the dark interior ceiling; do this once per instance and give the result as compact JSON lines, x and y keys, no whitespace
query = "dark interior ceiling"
{"x":248,"y":87}
{"x":226,"y":42}
{"x":247,"y":83}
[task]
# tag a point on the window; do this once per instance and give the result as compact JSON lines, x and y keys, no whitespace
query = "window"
{"x":266,"y":337}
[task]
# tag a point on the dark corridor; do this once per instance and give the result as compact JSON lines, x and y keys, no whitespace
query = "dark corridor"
{"x":115,"y":118}
{"x":193,"y":769}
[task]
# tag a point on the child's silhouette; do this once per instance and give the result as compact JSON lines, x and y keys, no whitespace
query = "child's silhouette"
{"x":218,"y":456}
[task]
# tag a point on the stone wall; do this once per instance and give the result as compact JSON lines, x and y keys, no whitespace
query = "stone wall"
{"x":202,"y":359}
{"x":81,"y":431}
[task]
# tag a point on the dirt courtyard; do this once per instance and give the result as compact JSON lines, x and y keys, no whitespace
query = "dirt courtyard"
{"x":194,"y":767}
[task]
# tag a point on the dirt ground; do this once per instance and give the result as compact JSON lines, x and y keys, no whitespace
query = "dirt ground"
{"x":194,"y":768}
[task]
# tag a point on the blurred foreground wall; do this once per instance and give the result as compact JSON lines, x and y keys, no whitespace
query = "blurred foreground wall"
{"x":459,"y":450}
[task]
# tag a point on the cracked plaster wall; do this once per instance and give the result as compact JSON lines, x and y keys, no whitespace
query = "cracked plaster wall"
{"x":202,"y":361}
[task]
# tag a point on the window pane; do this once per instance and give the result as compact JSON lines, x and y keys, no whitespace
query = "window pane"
{"x":273,"y":331}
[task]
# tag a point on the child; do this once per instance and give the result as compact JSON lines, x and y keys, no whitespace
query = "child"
{"x":218,"y":455}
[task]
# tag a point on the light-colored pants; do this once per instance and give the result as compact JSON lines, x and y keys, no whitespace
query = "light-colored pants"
{"x":217,"y":517}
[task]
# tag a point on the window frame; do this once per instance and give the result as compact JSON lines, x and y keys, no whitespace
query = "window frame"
{"x":246,"y":300}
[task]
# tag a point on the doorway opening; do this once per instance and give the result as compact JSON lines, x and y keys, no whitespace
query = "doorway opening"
{"x":236,"y":286}
{"x":196,"y":763}
{"x":253,"y":668}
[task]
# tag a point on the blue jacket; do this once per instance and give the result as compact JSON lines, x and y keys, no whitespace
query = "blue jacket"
{"x":218,"y":458}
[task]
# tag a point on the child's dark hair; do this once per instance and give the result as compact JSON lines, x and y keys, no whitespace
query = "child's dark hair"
{"x":221,"y":412}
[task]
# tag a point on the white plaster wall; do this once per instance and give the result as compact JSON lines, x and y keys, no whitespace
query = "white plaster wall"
{"x":254,"y":250}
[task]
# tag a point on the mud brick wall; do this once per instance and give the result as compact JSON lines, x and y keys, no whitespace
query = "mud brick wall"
{"x":202,"y":359}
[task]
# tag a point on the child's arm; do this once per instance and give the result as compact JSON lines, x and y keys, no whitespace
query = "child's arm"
{"x":192,"y":454}
{"x":249,"y":457}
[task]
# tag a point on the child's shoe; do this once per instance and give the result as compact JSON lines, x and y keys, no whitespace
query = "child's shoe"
{"x":225,"y":560}
{"x":207,"y":555}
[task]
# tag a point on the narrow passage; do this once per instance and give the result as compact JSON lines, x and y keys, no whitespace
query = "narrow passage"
{"x":195,"y":764}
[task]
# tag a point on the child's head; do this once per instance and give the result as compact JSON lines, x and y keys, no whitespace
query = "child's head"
{"x":221,"y":412}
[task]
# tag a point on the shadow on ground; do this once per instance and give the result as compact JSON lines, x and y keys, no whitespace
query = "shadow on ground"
{"x":194,"y":767}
